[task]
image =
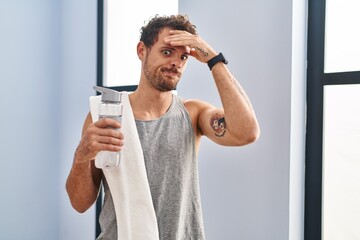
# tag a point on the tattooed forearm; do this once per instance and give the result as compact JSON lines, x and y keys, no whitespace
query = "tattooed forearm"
{"x":203,"y":52}
{"x":218,"y":124}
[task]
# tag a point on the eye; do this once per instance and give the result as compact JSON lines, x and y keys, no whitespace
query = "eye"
{"x":166,"y":52}
{"x":184,"y":57}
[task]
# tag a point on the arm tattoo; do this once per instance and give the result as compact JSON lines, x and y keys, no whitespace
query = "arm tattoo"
{"x":203,"y":52}
{"x":218,"y":124}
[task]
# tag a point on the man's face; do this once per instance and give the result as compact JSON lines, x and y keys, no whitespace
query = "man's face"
{"x":164,"y":64}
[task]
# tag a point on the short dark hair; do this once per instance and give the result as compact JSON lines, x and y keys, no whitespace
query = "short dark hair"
{"x":150,"y":32}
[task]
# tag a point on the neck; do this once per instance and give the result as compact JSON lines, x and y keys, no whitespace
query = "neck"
{"x":149,"y":104}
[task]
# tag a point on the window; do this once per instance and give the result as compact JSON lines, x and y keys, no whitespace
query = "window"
{"x":332,"y":131}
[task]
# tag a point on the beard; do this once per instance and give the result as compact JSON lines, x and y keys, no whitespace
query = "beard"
{"x":159,"y":80}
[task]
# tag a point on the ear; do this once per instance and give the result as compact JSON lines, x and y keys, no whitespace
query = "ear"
{"x":141,"y":50}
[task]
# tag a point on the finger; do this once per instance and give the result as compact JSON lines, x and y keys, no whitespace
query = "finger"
{"x":103,"y":145}
{"x":110,"y":140}
{"x":172,"y":40}
{"x":109,"y":147}
{"x":179,"y":37}
{"x":107,"y":122}
{"x":174,"y":31}
{"x":181,"y":43}
{"x":109,"y":132}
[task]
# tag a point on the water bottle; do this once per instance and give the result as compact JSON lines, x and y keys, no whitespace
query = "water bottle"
{"x":110,"y":107}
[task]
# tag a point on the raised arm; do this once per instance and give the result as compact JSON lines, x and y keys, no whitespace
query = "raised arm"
{"x":234,"y":124}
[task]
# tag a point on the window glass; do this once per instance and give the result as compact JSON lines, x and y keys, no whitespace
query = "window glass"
{"x":341,"y":162}
{"x":342,"y":36}
{"x":122,"y":23}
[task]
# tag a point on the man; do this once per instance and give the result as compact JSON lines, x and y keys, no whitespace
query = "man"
{"x":169,"y":130}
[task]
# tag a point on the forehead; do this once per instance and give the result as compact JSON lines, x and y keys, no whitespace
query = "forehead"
{"x":164,"y":33}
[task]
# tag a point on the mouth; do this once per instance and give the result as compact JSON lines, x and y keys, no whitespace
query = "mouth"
{"x":171,"y":72}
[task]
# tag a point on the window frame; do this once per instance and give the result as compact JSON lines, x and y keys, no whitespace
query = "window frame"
{"x":316,"y":81}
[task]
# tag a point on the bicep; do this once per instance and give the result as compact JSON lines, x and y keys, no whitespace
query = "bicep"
{"x":212,"y":124}
{"x":210,"y":121}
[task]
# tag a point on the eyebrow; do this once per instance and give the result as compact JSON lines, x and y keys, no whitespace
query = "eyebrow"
{"x":173,"y":48}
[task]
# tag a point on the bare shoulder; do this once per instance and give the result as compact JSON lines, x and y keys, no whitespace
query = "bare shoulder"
{"x":210,"y":121}
{"x":196,"y":107}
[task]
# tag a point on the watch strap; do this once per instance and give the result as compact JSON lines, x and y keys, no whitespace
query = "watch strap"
{"x":218,"y":58}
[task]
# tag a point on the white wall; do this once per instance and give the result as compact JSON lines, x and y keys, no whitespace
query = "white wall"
{"x":29,"y":100}
{"x":47,"y":70}
{"x":79,"y":24}
{"x":48,"y":53}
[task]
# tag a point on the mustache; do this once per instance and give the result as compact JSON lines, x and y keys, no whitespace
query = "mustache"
{"x":172,"y":70}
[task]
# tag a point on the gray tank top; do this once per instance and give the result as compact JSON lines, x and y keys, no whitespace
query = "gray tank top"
{"x":168,"y":144}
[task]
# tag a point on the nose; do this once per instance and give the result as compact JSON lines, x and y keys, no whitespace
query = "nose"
{"x":177,"y":62}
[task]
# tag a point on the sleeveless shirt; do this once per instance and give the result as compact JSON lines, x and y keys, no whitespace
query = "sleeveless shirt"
{"x":168,"y":145}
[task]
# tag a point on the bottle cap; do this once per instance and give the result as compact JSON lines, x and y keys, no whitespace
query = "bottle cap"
{"x":108,"y":95}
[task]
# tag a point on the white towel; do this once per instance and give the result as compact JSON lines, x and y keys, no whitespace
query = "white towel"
{"x":128,"y":183}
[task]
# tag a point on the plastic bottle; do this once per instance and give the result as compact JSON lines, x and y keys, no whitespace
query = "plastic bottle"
{"x":110,"y":107}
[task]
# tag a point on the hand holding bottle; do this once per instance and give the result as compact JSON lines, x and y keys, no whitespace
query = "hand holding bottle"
{"x":103,"y":135}
{"x":109,"y":108}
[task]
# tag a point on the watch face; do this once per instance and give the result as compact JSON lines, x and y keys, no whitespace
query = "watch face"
{"x":216,"y":59}
{"x":222,"y":58}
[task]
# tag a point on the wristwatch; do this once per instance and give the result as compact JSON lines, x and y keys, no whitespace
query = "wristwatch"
{"x":216,"y":59}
